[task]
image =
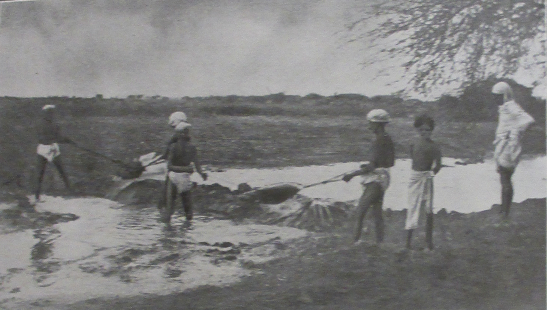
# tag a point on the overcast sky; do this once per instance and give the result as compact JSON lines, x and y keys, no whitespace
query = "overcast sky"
{"x":182,"y":48}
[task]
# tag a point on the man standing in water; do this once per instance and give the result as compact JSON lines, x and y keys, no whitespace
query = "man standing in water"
{"x":375,"y":174}
{"x":49,"y":135}
{"x":174,"y":119}
{"x":513,"y":122}
{"x":181,"y":155}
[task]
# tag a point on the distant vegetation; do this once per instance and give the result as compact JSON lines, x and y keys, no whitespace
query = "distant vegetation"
{"x":249,"y":131}
{"x":474,"y":105}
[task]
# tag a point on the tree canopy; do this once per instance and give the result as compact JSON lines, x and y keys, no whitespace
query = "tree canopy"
{"x":453,"y":44}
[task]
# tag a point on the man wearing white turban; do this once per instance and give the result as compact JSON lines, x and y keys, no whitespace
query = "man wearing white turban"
{"x":375,"y":175}
{"x":513,"y":122}
{"x":49,"y":137}
{"x":182,"y":154}
{"x":175,"y":119}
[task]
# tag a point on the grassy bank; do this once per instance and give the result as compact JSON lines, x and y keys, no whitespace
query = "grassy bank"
{"x":477,"y":264}
{"x":232,"y":131}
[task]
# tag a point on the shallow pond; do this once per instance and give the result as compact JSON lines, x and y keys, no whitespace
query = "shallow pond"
{"x":114,"y":250}
{"x":461,"y":188}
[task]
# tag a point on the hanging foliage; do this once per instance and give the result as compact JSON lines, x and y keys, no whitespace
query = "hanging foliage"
{"x":455,"y":43}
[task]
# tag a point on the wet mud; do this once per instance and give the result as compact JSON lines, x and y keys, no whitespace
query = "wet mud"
{"x":15,"y":218}
{"x":116,"y":248}
{"x":281,"y":207}
{"x":478,"y":263}
{"x":91,"y":246}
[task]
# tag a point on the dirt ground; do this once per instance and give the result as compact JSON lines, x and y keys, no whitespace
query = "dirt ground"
{"x":478,"y":263}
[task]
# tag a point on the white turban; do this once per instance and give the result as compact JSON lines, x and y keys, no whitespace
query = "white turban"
{"x":48,"y":106}
{"x":177,"y":117}
{"x":502,"y":88}
{"x":378,"y":116}
{"x":182,"y":125}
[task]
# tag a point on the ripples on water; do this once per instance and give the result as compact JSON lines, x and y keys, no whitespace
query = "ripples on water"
{"x":122,"y":251}
{"x":461,"y":188}
{"x":114,"y":250}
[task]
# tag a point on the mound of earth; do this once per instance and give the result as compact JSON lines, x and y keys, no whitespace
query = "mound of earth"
{"x":306,"y":213}
{"x":242,"y":204}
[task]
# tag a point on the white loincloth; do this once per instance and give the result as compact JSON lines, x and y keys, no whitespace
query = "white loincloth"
{"x":513,"y":121}
{"x":181,"y":180}
{"x":420,"y":190}
{"x":48,"y":151}
{"x":507,"y":151}
{"x":380,"y":175}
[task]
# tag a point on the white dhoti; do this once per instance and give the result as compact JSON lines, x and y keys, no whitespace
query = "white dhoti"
{"x":507,"y":151}
{"x":420,"y":191}
{"x":379,"y":175}
{"x":181,"y":180}
{"x":513,"y":121}
{"x":48,"y":151}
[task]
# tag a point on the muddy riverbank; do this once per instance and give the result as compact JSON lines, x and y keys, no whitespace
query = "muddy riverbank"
{"x":106,"y":253}
{"x":77,"y":251}
{"x":110,"y":250}
{"x":478,"y":263}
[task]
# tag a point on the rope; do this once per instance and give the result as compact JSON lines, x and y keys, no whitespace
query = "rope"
{"x":116,"y":161}
{"x":323,"y":182}
{"x":333,"y":179}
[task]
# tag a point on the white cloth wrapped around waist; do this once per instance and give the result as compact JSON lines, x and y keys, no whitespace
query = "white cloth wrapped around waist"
{"x":48,"y":151}
{"x":507,"y":152}
{"x":513,"y":121}
{"x":379,"y":175}
{"x":181,"y":180}
{"x":420,"y":190}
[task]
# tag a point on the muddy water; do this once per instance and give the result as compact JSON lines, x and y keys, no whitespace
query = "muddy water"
{"x":122,"y":251}
{"x":114,"y":250}
{"x":461,"y":188}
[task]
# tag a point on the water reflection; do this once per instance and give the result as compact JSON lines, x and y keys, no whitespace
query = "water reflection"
{"x":113,"y":251}
{"x":43,"y":248}
{"x":461,"y":188}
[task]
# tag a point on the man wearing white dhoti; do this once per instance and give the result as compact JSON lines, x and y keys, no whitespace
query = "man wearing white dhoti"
{"x":375,"y":174}
{"x":513,"y":122}
{"x":175,"y":119}
{"x":426,"y":162}
{"x":180,"y":156}
{"x":49,"y":137}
